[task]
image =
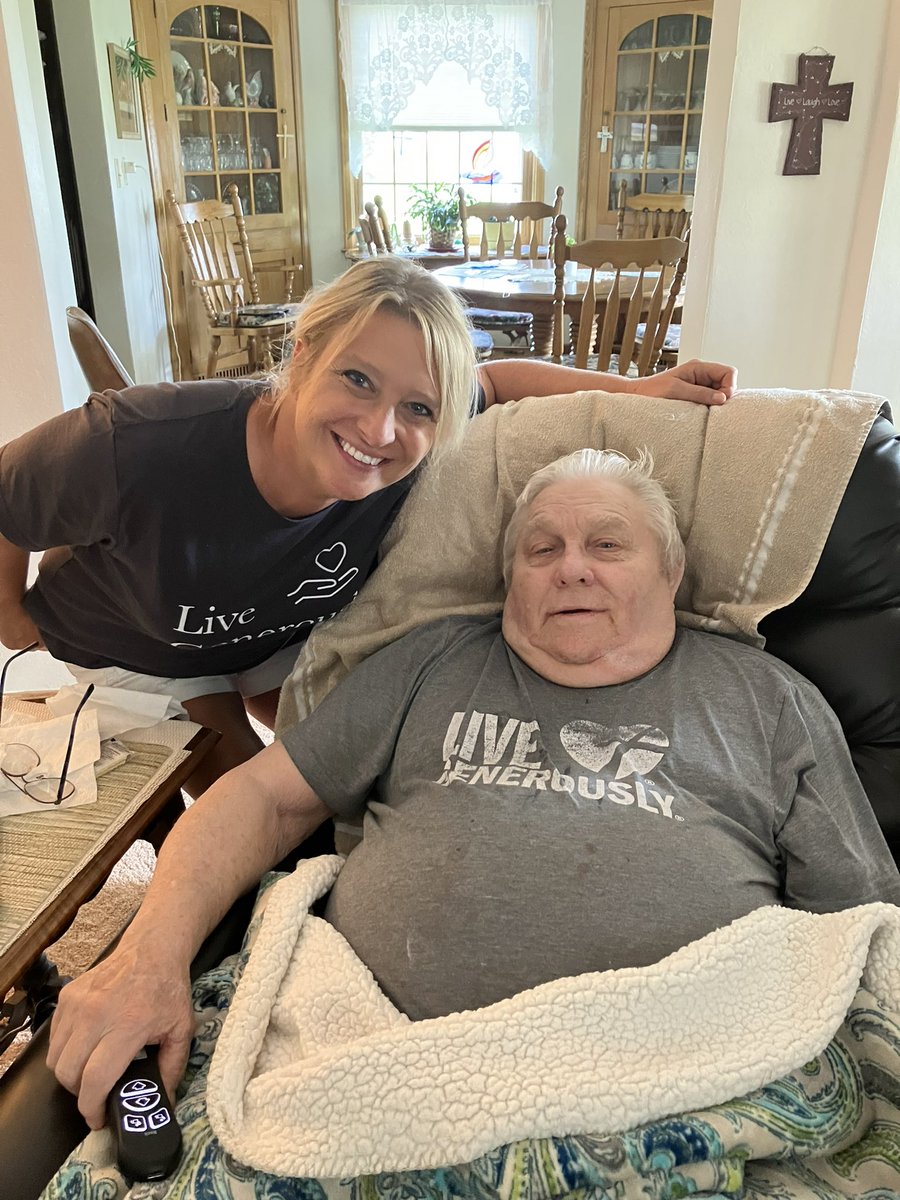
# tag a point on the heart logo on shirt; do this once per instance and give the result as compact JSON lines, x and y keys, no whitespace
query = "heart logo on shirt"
{"x":594,"y":746}
{"x":331,"y":559}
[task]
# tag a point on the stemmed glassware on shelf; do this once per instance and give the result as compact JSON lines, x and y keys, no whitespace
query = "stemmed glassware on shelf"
{"x":196,"y":153}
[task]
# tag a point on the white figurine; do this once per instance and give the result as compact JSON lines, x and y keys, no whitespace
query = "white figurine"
{"x":254,"y":89}
{"x":183,"y":77}
{"x":231,"y":93}
{"x":180,"y":69}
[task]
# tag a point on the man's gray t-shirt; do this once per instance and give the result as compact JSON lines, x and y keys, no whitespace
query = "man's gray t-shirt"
{"x":523,"y":831}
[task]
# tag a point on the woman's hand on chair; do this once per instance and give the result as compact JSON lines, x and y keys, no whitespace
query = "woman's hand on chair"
{"x":513,"y":378}
{"x":696,"y":381}
{"x":133,"y":998}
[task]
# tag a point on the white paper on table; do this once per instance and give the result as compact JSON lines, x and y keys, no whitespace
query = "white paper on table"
{"x":49,"y":740}
{"x":118,"y":709}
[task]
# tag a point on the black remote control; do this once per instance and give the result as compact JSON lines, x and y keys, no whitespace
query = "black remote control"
{"x":148,"y":1139}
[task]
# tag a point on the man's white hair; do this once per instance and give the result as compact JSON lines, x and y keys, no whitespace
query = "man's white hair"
{"x":636,"y":474}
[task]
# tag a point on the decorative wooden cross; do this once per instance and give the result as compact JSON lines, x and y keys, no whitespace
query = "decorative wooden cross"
{"x":808,"y":104}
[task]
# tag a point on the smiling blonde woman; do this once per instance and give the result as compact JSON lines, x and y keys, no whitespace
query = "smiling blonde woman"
{"x":203,"y":529}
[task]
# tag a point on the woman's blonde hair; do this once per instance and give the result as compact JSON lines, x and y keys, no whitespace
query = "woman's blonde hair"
{"x":332,"y":314}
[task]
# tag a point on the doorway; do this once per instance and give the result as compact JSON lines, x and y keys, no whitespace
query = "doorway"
{"x":62,"y":145}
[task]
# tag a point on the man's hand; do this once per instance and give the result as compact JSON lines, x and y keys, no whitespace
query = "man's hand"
{"x":104,"y":1017}
{"x":140,"y":995}
{"x":696,"y":381}
{"x":17,"y":630}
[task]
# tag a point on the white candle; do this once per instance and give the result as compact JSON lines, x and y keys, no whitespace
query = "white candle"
{"x":407,"y":232}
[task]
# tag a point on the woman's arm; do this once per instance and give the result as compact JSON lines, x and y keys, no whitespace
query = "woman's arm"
{"x":17,"y":629}
{"x":513,"y":378}
{"x":140,"y":994}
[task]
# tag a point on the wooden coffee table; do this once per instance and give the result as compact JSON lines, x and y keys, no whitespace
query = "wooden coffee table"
{"x":52,"y":862}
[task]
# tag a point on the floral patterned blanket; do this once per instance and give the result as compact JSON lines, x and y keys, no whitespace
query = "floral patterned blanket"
{"x":828,"y":1129}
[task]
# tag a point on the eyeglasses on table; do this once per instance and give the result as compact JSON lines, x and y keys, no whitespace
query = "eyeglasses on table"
{"x":20,"y":760}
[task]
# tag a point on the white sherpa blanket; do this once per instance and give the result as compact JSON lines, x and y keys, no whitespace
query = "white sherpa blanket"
{"x":317,"y":1074}
{"x":755,"y":483}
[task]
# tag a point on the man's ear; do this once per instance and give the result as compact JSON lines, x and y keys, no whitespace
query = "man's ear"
{"x":675,"y":579}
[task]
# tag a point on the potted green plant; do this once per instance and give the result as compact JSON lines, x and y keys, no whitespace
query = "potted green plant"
{"x":438,"y":208}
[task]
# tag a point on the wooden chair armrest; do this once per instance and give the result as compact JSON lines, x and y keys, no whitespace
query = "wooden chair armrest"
{"x":204,"y":283}
{"x":289,"y":273}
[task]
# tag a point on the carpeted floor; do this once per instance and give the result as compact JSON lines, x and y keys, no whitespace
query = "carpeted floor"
{"x":98,"y":922}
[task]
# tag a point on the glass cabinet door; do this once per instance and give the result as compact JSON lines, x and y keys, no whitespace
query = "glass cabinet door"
{"x":226,"y":97}
{"x":643,"y":92}
{"x":660,"y":83}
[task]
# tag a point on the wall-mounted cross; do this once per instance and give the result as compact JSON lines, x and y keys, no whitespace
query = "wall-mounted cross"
{"x":808,"y":104}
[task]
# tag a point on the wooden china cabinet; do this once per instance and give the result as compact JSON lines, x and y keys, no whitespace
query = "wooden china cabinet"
{"x":642,"y":104}
{"x":224,"y":108}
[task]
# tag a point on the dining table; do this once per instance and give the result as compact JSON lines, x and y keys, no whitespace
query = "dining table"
{"x":530,"y":285}
{"x":421,"y":253}
{"x":431,"y":260}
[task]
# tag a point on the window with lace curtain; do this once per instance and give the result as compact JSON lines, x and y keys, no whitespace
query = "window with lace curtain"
{"x":445,"y":93}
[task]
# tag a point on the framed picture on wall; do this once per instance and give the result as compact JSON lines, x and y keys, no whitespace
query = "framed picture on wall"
{"x":124,"y":89}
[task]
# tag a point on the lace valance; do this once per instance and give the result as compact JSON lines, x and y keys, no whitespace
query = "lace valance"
{"x":389,"y":47}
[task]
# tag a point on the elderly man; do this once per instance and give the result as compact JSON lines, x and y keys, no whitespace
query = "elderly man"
{"x":576,"y":787}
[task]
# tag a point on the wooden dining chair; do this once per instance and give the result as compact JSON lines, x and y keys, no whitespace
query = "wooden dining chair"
{"x":663,"y":214}
{"x":102,"y":367}
{"x":527,"y":218}
{"x":631,"y":282}
{"x":382,"y":226}
{"x":214,"y":237}
{"x":374,"y":228}
{"x":366,"y":234}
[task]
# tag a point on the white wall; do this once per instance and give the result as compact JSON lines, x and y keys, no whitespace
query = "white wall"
{"x":865,"y":354}
{"x":40,"y":373}
{"x":877,"y":360}
{"x":568,"y":66}
{"x":116,"y":205}
{"x":316,"y":26}
{"x":771,"y":262}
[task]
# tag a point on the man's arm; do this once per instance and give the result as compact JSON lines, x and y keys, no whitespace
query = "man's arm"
{"x":512,"y":378}
{"x":833,"y":852}
{"x":243,"y":825}
{"x":140,"y":995}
